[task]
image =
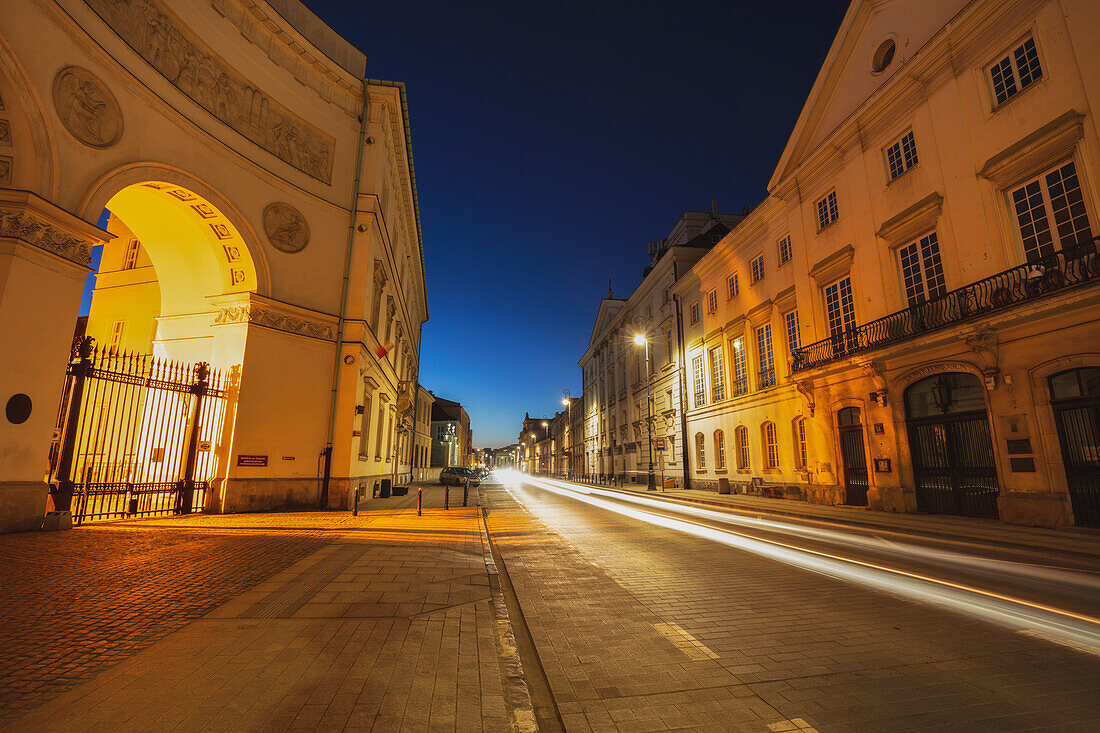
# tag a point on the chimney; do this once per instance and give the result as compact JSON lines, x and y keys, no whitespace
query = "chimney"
{"x":714,"y":208}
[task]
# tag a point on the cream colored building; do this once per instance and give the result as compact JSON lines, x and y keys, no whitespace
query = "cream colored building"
{"x":915,"y":323}
{"x":617,"y":387}
{"x":270,"y":187}
{"x":422,"y":442}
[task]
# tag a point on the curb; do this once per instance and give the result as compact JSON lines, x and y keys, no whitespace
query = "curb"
{"x":855,"y":522}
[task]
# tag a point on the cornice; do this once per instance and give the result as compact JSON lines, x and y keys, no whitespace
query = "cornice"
{"x":1050,"y":141}
{"x":831,"y":266}
{"x":256,"y":310}
{"x":912,"y":219}
{"x":31,"y":219}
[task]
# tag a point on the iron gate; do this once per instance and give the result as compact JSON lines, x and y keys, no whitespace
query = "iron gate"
{"x":953,"y":464}
{"x":136,"y":435}
{"x":1079,"y":433}
{"x":850,"y":428}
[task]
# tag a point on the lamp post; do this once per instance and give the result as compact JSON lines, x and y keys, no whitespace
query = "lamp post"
{"x":569,"y":430}
{"x":545,"y":434}
{"x":641,"y":340}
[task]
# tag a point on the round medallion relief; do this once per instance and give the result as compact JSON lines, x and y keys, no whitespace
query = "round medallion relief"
{"x":86,"y":107}
{"x":285,"y":227}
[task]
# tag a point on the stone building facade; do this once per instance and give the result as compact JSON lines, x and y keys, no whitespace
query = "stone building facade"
{"x":915,"y":322}
{"x":271,"y":188}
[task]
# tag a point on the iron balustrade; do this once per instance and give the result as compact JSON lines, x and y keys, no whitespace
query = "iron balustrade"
{"x":1054,"y":273}
{"x":767,"y":378}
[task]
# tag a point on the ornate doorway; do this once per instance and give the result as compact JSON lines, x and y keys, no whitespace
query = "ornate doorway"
{"x":850,"y":431}
{"x":953,"y":462}
{"x":1075,"y":398}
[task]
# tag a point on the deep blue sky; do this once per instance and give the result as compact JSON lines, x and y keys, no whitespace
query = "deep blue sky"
{"x":552,"y":142}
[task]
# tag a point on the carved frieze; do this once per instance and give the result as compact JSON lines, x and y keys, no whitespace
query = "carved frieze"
{"x":158,"y":36}
{"x":86,"y":107}
{"x":5,"y":133}
{"x":6,"y":164}
{"x":285,"y":227}
{"x":261,"y":315}
{"x":32,"y":230}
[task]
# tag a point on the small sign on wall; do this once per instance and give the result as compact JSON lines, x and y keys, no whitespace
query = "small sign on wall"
{"x":659,"y":444}
{"x":879,"y":428}
{"x":204,"y":446}
{"x":882,"y":465}
{"x":253,"y":461}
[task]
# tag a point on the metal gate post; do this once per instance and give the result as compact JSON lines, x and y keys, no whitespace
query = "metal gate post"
{"x":61,"y":492}
{"x":186,"y":487}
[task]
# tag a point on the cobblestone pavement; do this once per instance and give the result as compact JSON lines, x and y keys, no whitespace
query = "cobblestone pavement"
{"x":252,"y":622}
{"x":639,"y":628}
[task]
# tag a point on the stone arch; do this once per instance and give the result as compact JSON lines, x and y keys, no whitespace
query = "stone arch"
{"x":1047,"y":439}
{"x":28,"y":147}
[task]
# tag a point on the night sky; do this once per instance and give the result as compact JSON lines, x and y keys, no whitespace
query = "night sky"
{"x":552,"y":145}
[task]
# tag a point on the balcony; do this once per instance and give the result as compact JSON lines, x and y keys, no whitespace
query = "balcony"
{"x":1052,"y":274}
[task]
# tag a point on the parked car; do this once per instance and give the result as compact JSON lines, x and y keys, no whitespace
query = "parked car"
{"x":457,"y":476}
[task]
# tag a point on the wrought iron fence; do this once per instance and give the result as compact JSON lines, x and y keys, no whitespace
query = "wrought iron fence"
{"x":1059,"y":271}
{"x":136,"y":435}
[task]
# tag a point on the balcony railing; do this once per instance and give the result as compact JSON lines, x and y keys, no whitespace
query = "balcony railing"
{"x":766,"y":378}
{"x":1054,"y":273}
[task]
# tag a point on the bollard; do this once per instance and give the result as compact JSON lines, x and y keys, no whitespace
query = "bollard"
{"x":446,"y":496}
{"x":419,"y":500}
{"x":466,"y":492}
{"x":355,"y":502}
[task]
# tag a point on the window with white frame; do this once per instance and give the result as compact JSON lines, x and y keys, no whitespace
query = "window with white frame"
{"x":717,"y":375}
{"x":719,"y":450}
{"x":901,"y":155}
{"x":118,"y":328}
{"x":740,"y":367}
{"x":800,"y":451}
{"x":921,"y":270}
{"x":790,"y":320}
{"x":732,"y":286}
{"x":840,"y":307}
{"x":129,"y":260}
{"x":712,"y":301}
{"x":741,"y":437}
{"x":785,"y":249}
{"x":757,"y":269}
{"x":764,"y":355}
{"x":700,"y":451}
{"x":1050,"y":213}
{"x":364,"y":424}
{"x":1015,"y":71}
{"x":827,"y":210}
{"x":694,"y":313}
{"x":770,"y":441}
{"x":699,"y":380}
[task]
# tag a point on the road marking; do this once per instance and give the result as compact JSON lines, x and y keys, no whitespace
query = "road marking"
{"x":685,"y":642}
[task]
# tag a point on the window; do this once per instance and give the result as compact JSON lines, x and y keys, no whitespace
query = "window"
{"x":901,"y":155}
{"x":671,"y":449}
{"x":757,"y":269}
{"x":694,"y":313}
{"x":378,"y":425}
{"x":129,"y":260}
{"x":840,"y":307}
{"x":921,"y":270}
{"x":717,"y":375}
{"x":364,"y":425}
{"x":740,"y":368}
{"x":741,"y":436}
{"x":884,"y":54}
{"x":719,"y":450}
{"x":712,"y":301}
{"x":785,"y":250}
{"x":700,"y":381}
{"x":764,"y":354}
{"x":700,"y":451}
{"x":668,"y":344}
{"x":827,"y":211}
{"x":117,"y":329}
{"x":1057,"y":192}
{"x":732,"y":288}
{"x":771,"y":445}
{"x":800,"y":451}
{"x":790,"y":319}
{"x":1016,"y":71}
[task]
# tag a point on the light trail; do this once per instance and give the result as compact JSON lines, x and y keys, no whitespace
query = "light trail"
{"x":1076,"y":630}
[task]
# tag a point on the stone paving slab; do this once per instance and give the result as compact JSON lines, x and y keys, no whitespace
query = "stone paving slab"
{"x":378,"y":622}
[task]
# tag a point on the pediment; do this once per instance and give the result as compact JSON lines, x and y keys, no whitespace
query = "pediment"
{"x":609,"y":308}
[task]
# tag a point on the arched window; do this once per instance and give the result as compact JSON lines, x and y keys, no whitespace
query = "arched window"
{"x":798,"y":432}
{"x":741,"y":436}
{"x":771,"y":445}
{"x":700,"y":451}
{"x":719,"y":449}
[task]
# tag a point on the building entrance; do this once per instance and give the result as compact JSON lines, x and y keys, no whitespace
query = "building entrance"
{"x":850,"y":427}
{"x":953,"y":462}
{"x":1075,"y":397}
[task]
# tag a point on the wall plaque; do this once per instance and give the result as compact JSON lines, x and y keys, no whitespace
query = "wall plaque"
{"x":1022,"y":465}
{"x":1021,"y":445}
{"x":882,"y":465}
{"x":254,"y":461}
{"x":86,"y":107}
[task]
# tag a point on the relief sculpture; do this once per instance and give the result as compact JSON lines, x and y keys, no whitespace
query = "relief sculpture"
{"x":160,"y":38}
{"x":286,"y":228}
{"x":87,"y":108}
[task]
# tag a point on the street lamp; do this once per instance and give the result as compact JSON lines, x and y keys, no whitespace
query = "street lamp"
{"x":641,"y":340}
{"x":569,"y":430}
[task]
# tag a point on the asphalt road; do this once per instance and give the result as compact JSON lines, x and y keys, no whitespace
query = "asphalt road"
{"x":647,"y":616}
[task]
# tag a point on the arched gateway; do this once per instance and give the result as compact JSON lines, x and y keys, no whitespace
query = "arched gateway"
{"x":243,"y":195}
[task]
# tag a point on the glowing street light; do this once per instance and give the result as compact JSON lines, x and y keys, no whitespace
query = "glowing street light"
{"x":641,"y":340}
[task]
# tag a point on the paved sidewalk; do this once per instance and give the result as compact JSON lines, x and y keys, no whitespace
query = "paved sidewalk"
{"x":301,"y":621}
{"x":1081,"y":541}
